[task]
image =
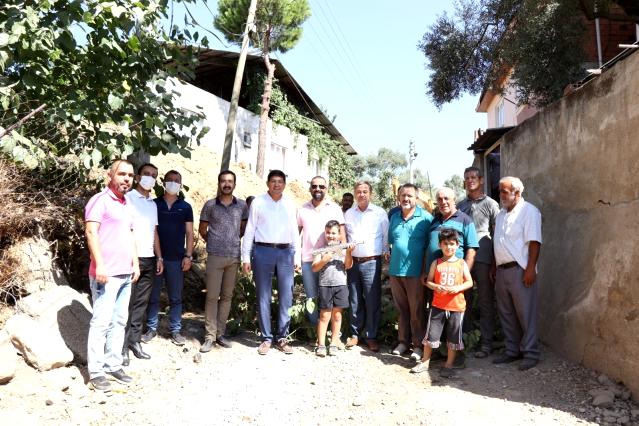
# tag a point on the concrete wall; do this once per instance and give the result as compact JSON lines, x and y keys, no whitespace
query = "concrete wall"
{"x":579,"y":161}
{"x":284,"y":150}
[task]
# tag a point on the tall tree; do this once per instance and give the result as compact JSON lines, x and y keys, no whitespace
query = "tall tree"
{"x":456,"y":183}
{"x":540,"y":42}
{"x":278,"y":27}
{"x":99,"y":72}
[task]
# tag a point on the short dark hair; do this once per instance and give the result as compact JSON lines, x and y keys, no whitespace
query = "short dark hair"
{"x":331,"y":223}
{"x":145,"y":165}
{"x":347,"y":194}
{"x":226,"y":172}
{"x":448,"y":234}
{"x":408,"y":185}
{"x":474,"y":169}
{"x":364,"y":182}
{"x":172,"y":172}
{"x":276,"y":173}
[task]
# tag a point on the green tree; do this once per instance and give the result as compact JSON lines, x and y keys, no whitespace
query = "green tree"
{"x":456,"y":183}
{"x":380,"y":170}
{"x":103,"y":96}
{"x":278,"y":27}
{"x":540,"y":42}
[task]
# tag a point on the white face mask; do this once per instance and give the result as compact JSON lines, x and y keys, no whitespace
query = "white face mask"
{"x":172,"y":187}
{"x":147,"y":182}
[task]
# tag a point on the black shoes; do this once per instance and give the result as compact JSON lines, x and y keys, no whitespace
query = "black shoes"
{"x":527,"y":364}
{"x":505,"y":359}
{"x":148,"y":336}
{"x":137,"y":350}
{"x":224,"y":342}
{"x":120,"y":376}
{"x":100,"y":383}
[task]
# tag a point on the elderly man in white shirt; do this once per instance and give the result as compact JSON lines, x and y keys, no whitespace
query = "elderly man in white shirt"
{"x":272,"y":237}
{"x":368,"y":224}
{"x":517,"y":242}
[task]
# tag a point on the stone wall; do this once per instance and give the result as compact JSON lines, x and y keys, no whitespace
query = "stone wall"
{"x":579,"y":161}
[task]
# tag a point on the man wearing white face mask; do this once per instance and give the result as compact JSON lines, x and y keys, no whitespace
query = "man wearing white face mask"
{"x":145,"y":221}
{"x":175,"y":227}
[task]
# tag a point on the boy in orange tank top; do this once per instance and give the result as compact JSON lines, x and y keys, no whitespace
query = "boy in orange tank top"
{"x":448,"y":277}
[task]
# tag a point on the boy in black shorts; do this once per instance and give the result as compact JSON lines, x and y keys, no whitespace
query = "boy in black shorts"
{"x":333,"y":293}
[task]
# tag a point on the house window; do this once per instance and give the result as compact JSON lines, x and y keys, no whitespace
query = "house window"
{"x":278,"y":156}
{"x":500,"y":114}
{"x":315,"y":166}
{"x":246,"y":140}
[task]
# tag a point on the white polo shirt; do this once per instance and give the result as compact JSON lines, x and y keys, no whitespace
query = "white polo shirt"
{"x":145,"y":219}
{"x":514,"y":230}
{"x":369,"y":227}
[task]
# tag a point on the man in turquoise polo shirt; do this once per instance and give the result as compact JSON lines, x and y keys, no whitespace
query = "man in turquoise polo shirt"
{"x":407,"y":236}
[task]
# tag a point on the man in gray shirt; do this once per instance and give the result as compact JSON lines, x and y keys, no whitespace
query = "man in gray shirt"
{"x":222,"y":223}
{"x":483,"y":210}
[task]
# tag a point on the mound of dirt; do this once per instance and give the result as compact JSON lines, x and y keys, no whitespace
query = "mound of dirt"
{"x":199,"y":175}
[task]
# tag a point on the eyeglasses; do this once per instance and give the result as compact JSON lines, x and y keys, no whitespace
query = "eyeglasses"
{"x":318,"y":186}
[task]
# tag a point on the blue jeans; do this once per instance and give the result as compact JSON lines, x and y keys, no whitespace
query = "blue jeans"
{"x":266,"y":261}
{"x":174,"y":278}
{"x":311,"y":283}
{"x":106,"y":330}
{"x":365,"y":297}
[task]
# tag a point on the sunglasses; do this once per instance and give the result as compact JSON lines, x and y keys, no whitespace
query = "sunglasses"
{"x":318,"y":186}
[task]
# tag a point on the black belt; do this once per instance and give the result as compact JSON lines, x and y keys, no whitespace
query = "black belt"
{"x":365,"y":259}
{"x":508,"y":265}
{"x":273,"y":245}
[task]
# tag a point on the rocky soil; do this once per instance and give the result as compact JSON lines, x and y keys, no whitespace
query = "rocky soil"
{"x":237,"y":386}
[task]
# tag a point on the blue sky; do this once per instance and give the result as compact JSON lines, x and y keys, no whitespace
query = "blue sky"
{"x":359,"y":60}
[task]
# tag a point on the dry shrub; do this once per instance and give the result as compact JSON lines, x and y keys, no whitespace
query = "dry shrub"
{"x":37,"y":203}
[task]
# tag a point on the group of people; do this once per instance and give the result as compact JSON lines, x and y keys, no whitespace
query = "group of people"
{"x":435,"y":260}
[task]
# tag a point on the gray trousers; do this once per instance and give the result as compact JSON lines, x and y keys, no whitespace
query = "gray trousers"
{"x":220,"y":282}
{"x":486,"y":298}
{"x":517,"y":306}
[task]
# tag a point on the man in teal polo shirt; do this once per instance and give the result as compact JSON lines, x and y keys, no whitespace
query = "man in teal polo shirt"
{"x":407,"y":236}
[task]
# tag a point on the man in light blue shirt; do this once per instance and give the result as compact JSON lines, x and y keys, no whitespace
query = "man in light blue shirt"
{"x":407,"y":236}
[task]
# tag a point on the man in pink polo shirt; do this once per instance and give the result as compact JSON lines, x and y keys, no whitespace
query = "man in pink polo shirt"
{"x":311,"y":219}
{"x":114,"y":267}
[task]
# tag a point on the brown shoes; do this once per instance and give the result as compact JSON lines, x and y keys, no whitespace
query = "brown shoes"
{"x":351,"y":341}
{"x":282,"y":345}
{"x":372,"y":344}
{"x":264,"y":347}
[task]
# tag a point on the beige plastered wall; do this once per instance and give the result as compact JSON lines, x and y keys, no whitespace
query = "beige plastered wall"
{"x":579,"y":161}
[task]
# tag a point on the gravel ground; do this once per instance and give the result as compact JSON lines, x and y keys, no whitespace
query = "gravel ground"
{"x":237,"y":386}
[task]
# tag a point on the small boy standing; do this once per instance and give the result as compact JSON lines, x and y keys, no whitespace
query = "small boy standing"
{"x":333,"y":293}
{"x":448,"y":277}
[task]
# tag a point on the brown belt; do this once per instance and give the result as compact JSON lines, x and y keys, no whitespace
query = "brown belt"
{"x":508,"y":265}
{"x":365,"y":259}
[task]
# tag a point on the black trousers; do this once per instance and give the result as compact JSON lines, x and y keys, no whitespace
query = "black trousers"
{"x":140,"y":294}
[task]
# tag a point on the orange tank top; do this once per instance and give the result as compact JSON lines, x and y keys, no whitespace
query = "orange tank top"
{"x":449,"y":274}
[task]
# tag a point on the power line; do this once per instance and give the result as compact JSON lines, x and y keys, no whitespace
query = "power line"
{"x":337,"y":66}
{"x":342,"y":41}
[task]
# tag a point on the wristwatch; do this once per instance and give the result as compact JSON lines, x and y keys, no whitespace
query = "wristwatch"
{"x":188,"y":256}
{"x":160,"y":259}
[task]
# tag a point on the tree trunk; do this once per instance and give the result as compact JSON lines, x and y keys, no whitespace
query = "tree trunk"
{"x":266,"y":103}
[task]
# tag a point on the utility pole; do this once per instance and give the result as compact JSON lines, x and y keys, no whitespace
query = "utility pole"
{"x":411,"y":157}
{"x":237,"y":85}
